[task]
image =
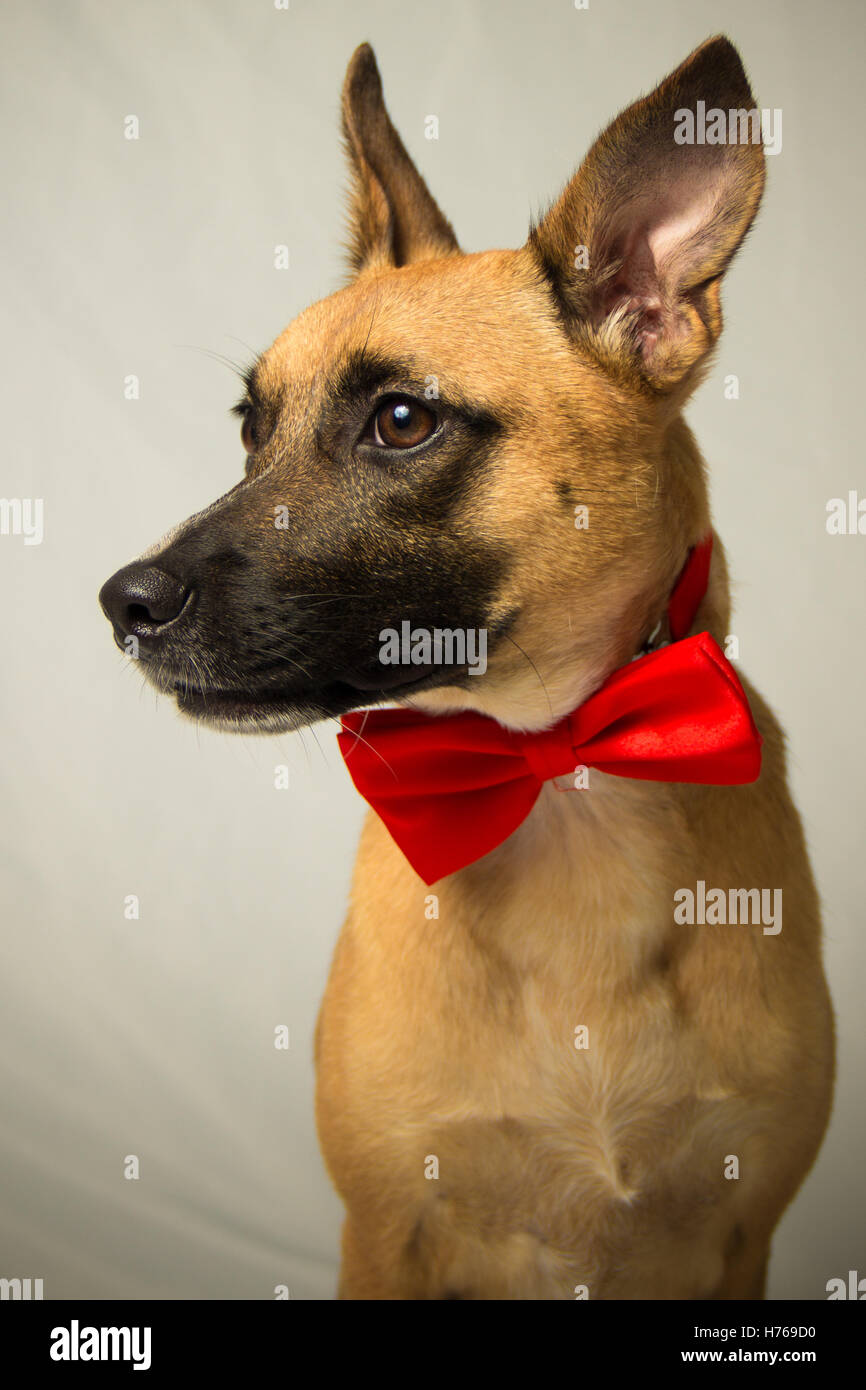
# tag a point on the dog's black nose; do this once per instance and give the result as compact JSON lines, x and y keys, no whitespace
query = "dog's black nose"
{"x":140,"y":599}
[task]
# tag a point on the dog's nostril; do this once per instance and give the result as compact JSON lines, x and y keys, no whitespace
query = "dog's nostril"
{"x":140,"y":599}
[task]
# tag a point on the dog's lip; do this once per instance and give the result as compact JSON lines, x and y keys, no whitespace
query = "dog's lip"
{"x":248,"y":705}
{"x":399,"y":678}
{"x":361,"y":683}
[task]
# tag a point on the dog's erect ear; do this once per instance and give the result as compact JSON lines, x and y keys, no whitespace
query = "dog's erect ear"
{"x":393,"y":218}
{"x":637,"y":243}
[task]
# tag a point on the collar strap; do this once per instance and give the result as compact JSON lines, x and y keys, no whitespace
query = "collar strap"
{"x":690,"y":588}
{"x":684,"y":601}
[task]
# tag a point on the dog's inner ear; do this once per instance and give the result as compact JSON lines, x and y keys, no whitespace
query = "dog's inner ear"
{"x":637,"y":243}
{"x":393,"y":218}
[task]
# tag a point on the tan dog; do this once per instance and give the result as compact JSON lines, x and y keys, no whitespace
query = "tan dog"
{"x":480,"y":1152}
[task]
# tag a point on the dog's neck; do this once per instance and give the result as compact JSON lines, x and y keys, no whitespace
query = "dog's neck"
{"x":532,"y":690}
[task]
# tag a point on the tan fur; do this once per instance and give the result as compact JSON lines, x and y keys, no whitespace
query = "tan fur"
{"x":453,"y":1037}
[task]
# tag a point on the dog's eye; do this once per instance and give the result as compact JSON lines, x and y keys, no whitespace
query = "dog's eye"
{"x":248,"y":433}
{"x":400,"y":423}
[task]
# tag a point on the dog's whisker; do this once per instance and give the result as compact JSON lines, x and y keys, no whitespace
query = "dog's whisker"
{"x":534,"y":667}
{"x":372,"y":319}
{"x":239,"y":368}
{"x":330,"y":598}
{"x":312,"y":729}
{"x":358,"y":738}
{"x":251,"y":350}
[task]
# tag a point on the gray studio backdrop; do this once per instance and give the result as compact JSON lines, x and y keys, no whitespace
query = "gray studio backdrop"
{"x":154,"y":1036}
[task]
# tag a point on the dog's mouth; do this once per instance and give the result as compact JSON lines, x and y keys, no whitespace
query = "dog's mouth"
{"x":268,"y":711}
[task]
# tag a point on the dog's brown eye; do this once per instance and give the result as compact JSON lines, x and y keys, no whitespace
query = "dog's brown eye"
{"x":401,"y":424}
{"x":247,"y":434}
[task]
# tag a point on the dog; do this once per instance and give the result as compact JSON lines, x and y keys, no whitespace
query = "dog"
{"x":540,"y":1080}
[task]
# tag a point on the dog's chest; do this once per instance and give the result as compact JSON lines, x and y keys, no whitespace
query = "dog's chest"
{"x":599,"y":1075}
{"x":548,"y":1129}
{"x":531,"y":1065}
{"x":584,"y":1127}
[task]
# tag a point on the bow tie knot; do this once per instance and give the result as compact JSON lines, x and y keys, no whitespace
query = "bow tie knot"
{"x":550,"y":752}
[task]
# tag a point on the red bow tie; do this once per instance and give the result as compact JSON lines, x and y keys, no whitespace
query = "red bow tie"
{"x":451,"y":788}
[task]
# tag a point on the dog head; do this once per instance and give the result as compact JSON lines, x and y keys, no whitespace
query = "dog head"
{"x":484,"y":448}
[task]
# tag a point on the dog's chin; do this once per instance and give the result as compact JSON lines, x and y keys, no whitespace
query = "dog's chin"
{"x":237,"y":713}
{"x":248,"y":712}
